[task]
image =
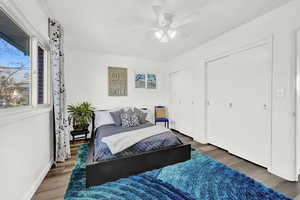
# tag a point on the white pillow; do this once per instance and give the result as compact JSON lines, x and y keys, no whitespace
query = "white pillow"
{"x":103,"y":118}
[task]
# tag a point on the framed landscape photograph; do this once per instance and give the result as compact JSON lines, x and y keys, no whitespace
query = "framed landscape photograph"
{"x":140,"y":80}
{"x":151,"y":81}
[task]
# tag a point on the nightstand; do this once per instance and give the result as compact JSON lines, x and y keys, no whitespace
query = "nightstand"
{"x":79,"y":133}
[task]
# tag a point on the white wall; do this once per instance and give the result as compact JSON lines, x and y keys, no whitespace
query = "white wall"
{"x":279,"y":24}
{"x":26,"y":138}
{"x":26,"y":152}
{"x":87,"y":80}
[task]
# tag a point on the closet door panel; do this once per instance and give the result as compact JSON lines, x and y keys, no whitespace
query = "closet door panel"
{"x":181,"y":101}
{"x":219,"y":123}
{"x":251,"y":104}
{"x":174,"y":110}
{"x":179,"y":117}
{"x":186,"y":105}
{"x":239,"y":97}
{"x":177,"y":100}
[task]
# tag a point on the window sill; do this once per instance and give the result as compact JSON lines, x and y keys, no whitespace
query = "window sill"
{"x":14,"y":115}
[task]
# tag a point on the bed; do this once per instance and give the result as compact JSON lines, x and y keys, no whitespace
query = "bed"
{"x":150,"y":153}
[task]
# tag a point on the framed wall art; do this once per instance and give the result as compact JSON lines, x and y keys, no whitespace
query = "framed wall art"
{"x":140,"y":80}
{"x":151,"y":81}
{"x":117,"y":81}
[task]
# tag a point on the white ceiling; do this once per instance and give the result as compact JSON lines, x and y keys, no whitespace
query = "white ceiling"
{"x":103,"y":25}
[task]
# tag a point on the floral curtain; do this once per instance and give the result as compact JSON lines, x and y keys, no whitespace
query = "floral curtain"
{"x":62,"y":133}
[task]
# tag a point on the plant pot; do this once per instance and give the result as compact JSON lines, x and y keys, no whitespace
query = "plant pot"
{"x":80,"y":127}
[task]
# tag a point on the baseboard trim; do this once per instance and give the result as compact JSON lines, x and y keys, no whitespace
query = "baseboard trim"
{"x":38,"y":181}
{"x":281,"y":175}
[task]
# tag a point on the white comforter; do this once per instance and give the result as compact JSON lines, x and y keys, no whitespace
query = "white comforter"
{"x":122,"y":141}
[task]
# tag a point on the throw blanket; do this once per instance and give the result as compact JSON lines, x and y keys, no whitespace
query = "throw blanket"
{"x":122,"y":141}
{"x":102,"y":151}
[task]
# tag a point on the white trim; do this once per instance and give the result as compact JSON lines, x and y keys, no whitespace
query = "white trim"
{"x":15,"y":14}
{"x":205,"y":101}
{"x":38,"y":181}
{"x":14,"y":10}
{"x":271,"y":101}
{"x":241,"y":49}
{"x":34,"y":63}
{"x":297,"y":102}
{"x":46,"y":72}
{"x":13,"y":115}
{"x":46,"y":77}
{"x":281,"y":175}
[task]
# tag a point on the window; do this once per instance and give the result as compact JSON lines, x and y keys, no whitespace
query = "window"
{"x":40,"y":76}
{"x":15,"y":66}
{"x":23,"y":66}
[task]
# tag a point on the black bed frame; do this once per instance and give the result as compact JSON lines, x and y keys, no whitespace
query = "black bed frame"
{"x":99,"y":172}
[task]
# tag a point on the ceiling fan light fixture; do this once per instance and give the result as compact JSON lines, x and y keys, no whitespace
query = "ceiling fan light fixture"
{"x":165,"y":36}
{"x":172,"y":33}
{"x":164,"y":39}
{"x":159,"y":34}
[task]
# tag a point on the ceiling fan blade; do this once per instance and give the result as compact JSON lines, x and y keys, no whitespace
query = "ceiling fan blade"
{"x":182,"y":35}
{"x":161,"y":3}
{"x":136,"y":22}
{"x":197,"y":15}
{"x":185,"y":20}
{"x":157,"y":10}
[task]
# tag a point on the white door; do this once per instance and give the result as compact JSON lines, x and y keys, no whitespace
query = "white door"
{"x":239,"y":114}
{"x":187,"y":102}
{"x":252,"y":104}
{"x":181,"y":101}
{"x":173,"y":110}
{"x":219,"y":98}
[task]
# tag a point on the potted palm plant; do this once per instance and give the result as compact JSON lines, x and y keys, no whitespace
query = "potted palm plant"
{"x":80,"y":115}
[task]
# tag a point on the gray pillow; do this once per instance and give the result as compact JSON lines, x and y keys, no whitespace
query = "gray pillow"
{"x":141,"y":115}
{"x":129,"y":119}
{"x":116,"y":116}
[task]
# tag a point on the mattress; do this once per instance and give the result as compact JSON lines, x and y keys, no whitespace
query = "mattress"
{"x":102,"y":151}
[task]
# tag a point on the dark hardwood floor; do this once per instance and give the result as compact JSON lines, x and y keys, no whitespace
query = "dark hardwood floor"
{"x":56,"y":181}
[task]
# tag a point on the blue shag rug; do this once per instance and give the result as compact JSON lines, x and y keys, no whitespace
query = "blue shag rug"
{"x":199,"y":178}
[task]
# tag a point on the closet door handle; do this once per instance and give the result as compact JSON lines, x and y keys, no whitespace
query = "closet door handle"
{"x":265,"y":107}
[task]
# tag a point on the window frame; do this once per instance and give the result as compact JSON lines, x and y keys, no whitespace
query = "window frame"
{"x":40,"y":46}
{"x":12,"y":114}
{"x":34,"y":84}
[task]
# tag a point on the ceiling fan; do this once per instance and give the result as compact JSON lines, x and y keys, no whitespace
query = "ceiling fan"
{"x":165,"y":30}
{"x":167,"y":24}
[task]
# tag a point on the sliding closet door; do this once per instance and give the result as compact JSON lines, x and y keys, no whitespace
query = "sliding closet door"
{"x":182,"y":101}
{"x":219,"y":126}
{"x":175,"y":100}
{"x":238,"y":115}
{"x":251,"y":107}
